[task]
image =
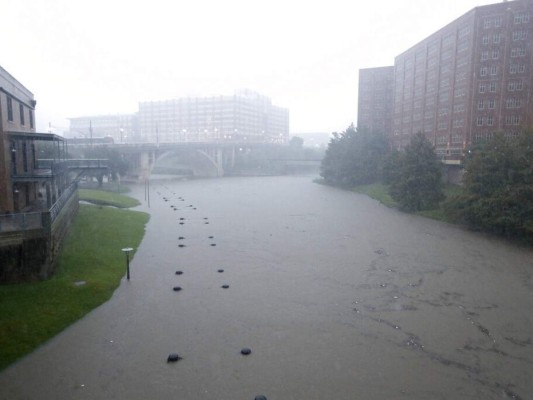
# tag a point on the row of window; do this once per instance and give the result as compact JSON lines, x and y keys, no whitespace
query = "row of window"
{"x":518,"y":52}
{"x":519,"y":18}
{"x":485,"y":55}
{"x":496,"y":38}
{"x":484,"y":71}
{"x":22,"y":112}
{"x":490,"y":87}
{"x":489,"y":120}
{"x":490,"y":104}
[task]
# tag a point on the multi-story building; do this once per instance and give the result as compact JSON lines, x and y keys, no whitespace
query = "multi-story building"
{"x":17,"y":150}
{"x":376,"y":86}
{"x":120,"y":127}
{"x":245,"y":115}
{"x":468,"y":80}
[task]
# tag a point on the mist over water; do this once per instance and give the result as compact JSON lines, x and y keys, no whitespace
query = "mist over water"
{"x":336,"y":296}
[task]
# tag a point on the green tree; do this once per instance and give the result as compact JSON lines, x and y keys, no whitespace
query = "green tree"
{"x":418,"y":184}
{"x":353,"y":158}
{"x":498,"y":185}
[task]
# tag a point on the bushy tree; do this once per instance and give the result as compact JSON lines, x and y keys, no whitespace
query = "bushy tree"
{"x":353,"y":158}
{"x":418,"y":179}
{"x":498,"y":185}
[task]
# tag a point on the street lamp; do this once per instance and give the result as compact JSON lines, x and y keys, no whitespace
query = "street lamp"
{"x":127,"y":251}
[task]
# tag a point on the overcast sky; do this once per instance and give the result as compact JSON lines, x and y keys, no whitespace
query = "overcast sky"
{"x":97,"y":57}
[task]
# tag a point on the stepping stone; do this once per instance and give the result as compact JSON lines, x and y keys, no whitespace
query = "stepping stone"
{"x":176,"y":288}
{"x":213,"y":244}
{"x":174,"y":357}
{"x":246,"y":351}
{"x":181,"y":245}
{"x":220,"y":270}
{"x":260,"y":397}
{"x":181,"y":238}
{"x":179,"y":272}
{"x":211,"y":237}
{"x":225,"y":286}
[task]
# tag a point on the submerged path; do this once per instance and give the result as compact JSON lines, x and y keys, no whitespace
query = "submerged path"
{"x":336,"y":296}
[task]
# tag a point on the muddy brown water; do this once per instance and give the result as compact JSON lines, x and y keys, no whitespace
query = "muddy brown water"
{"x":337,"y":296}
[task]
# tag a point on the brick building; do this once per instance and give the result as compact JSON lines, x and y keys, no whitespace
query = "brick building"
{"x":376,"y":86}
{"x":467,"y":80}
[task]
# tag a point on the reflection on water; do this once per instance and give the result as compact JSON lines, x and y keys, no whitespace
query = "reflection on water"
{"x":337,"y":296}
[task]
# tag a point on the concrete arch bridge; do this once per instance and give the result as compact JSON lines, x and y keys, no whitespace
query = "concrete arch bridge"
{"x":198,"y":159}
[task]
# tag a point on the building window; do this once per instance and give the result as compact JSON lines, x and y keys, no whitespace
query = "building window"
{"x":31,"y":118}
{"x":479,"y":121}
{"x":486,"y":39}
{"x":521,"y":18}
{"x":442,"y":140}
{"x":519,"y":35}
{"x":495,"y":54}
{"x":480,"y":105}
{"x":484,"y":55}
{"x":21,"y":112}
{"x":482,"y":88}
{"x":25,"y":156}
{"x":513,"y":120}
{"x":492,"y":87}
{"x":486,"y":23}
{"x":457,"y":139}
{"x":9,"y":108}
{"x":458,"y":123}
{"x":491,"y":104}
{"x":497,"y":38}
{"x":457,"y":108}
{"x":442,"y":125}
{"x":497,"y":22}
{"x":490,"y":120}
{"x":483,"y":71}
{"x":493,"y":70}
{"x":518,"y":52}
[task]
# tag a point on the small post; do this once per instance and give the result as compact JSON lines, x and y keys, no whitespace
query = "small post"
{"x":127,"y":251}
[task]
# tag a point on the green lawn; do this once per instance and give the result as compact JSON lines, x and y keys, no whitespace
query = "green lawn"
{"x":380,"y":192}
{"x":31,"y":313}
{"x":107,"y":198}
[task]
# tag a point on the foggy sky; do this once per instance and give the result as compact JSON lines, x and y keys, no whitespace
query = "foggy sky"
{"x":104,"y":56}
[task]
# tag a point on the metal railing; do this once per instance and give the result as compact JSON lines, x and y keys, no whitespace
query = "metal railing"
{"x":62,"y":200}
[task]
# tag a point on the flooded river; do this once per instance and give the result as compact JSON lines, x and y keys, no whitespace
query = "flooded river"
{"x":337,"y":296}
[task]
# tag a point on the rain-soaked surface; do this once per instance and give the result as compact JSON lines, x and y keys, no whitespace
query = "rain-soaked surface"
{"x":336,"y":297}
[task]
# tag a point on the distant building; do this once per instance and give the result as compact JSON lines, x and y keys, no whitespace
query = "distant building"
{"x":245,"y":115}
{"x":120,"y":127}
{"x":376,"y":89}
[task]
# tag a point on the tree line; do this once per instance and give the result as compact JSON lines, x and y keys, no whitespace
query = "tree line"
{"x":497,"y":184}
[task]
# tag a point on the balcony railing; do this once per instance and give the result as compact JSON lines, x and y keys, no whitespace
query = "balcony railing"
{"x":62,"y":200}
{"x":21,"y":222}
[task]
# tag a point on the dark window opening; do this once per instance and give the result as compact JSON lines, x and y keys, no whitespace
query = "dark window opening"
{"x":9,"y":109}
{"x":31,"y":118}
{"x":25,"y":156}
{"x":21,"y":112}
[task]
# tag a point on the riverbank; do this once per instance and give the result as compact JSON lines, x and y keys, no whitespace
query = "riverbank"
{"x":89,"y":269}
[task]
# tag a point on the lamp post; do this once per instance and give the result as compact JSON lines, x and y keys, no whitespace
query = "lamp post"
{"x":127,"y":251}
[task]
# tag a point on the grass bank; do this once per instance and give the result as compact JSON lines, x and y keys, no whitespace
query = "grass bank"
{"x":32,"y":313}
{"x":102,"y":197}
{"x":380,"y":192}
